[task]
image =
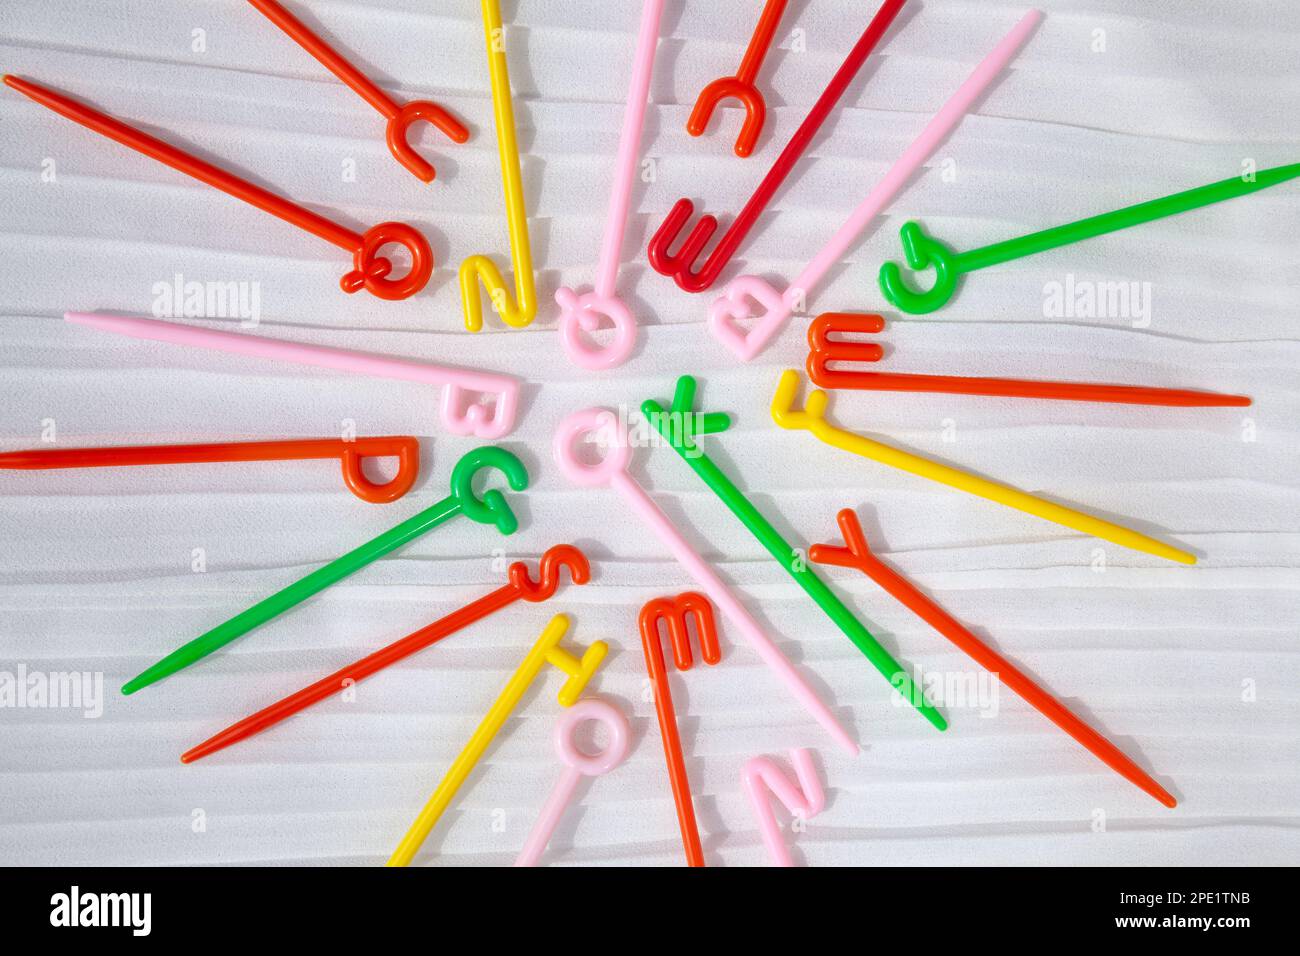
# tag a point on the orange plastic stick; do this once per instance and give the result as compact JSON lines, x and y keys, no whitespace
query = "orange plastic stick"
{"x":370,"y":269}
{"x":824,"y":350}
{"x":673,"y":612}
{"x":741,"y":86}
{"x":399,"y":118}
{"x":858,"y":555}
{"x":351,"y":453}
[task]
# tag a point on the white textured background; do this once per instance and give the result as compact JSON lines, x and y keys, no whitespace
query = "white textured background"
{"x":95,"y":566}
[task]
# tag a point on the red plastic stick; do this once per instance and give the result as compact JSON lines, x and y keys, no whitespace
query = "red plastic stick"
{"x":858,"y":555}
{"x":520,"y":588}
{"x":823,"y":350}
{"x":370,"y":270}
{"x":399,"y":118}
{"x":673,"y":612}
{"x":350,"y":453}
{"x":679,"y":265}
{"x":741,"y":86}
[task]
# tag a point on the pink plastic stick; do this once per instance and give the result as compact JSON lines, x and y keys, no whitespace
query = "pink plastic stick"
{"x":803,"y":801}
{"x":461,"y":412}
{"x":612,"y":470}
{"x":577,"y":764}
{"x":737,"y":300}
{"x":583,"y":313}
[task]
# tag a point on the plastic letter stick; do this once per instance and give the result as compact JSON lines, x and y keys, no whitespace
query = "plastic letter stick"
{"x":370,"y":270}
{"x":350,"y":453}
{"x":577,"y":764}
{"x":857,"y":554}
{"x":803,"y":801}
{"x":741,"y":86}
{"x":399,"y":118}
{"x":922,"y":250}
{"x":479,"y":268}
{"x":613,"y":471}
{"x":547,"y":650}
{"x":823,"y":350}
{"x":675,"y":428}
{"x":583,"y":313}
{"x":491,"y":509}
{"x":461,"y":414}
{"x":673,"y":612}
{"x":812,"y":419}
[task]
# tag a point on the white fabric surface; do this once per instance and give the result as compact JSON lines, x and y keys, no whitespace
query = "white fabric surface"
{"x":95,"y":569}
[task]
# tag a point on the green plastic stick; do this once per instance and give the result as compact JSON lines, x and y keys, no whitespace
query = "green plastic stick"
{"x":679,"y":429}
{"x":492,"y":509}
{"x":922,"y":250}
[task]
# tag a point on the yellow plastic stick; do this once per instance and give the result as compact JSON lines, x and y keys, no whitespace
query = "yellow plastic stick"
{"x":547,"y":650}
{"x":812,"y":419}
{"x":521,"y":310}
